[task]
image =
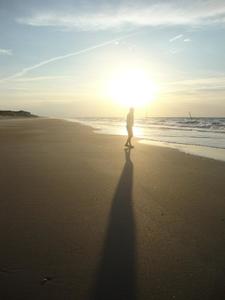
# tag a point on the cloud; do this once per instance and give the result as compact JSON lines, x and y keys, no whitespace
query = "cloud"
{"x":5,"y":51}
{"x":187,"y":40}
{"x":177,"y":37}
{"x":172,"y":12}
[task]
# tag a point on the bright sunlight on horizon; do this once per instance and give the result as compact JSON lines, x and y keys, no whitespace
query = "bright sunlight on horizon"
{"x":132,"y":88}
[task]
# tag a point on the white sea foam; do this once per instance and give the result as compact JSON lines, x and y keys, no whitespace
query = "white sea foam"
{"x":198,"y":136}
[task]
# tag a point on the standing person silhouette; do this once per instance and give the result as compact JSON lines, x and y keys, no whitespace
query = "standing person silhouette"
{"x":130,"y":123}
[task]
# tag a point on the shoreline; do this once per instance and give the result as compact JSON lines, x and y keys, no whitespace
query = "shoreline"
{"x":214,"y":153}
{"x":196,"y":150}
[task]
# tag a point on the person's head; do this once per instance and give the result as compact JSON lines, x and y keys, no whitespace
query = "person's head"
{"x":131,"y":110}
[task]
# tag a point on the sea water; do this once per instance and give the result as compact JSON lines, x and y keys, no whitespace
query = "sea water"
{"x":198,"y":136}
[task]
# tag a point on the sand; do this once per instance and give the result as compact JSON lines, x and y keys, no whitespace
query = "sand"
{"x":80,"y":218}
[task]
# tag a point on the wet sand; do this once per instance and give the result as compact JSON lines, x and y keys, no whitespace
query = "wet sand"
{"x":80,"y":218}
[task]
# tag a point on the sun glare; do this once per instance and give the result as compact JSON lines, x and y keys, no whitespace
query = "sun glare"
{"x":132,"y":88}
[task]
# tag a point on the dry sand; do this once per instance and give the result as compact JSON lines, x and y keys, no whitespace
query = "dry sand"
{"x":80,"y":219}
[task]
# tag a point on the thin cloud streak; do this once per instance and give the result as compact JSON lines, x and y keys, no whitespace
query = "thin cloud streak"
{"x":198,"y":84}
{"x":41,"y":78}
{"x":177,"y":37}
{"x":61,"y":57}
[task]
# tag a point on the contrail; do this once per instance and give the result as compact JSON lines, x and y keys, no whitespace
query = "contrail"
{"x":45,"y":62}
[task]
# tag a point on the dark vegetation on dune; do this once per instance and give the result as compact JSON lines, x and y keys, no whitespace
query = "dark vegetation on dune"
{"x":16,"y":114}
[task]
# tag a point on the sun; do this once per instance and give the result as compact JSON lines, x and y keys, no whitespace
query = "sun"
{"x":132,"y":88}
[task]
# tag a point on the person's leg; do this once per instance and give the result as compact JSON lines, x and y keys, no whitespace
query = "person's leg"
{"x":130,"y":142}
{"x":130,"y":135}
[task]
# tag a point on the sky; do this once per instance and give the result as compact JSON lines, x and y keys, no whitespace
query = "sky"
{"x":58,"y":57}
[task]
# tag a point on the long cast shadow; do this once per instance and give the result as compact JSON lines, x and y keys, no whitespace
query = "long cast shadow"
{"x":116,"y":277}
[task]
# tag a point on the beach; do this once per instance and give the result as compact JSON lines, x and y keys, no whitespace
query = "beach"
{"x":83,"y":219}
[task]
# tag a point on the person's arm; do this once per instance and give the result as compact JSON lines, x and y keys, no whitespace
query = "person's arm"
{"x":132,"y":120}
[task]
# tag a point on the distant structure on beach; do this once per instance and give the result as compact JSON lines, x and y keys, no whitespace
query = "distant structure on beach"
{"x":16,"y":114}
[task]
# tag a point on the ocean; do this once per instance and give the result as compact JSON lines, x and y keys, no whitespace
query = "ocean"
{"x":198,"y":136}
